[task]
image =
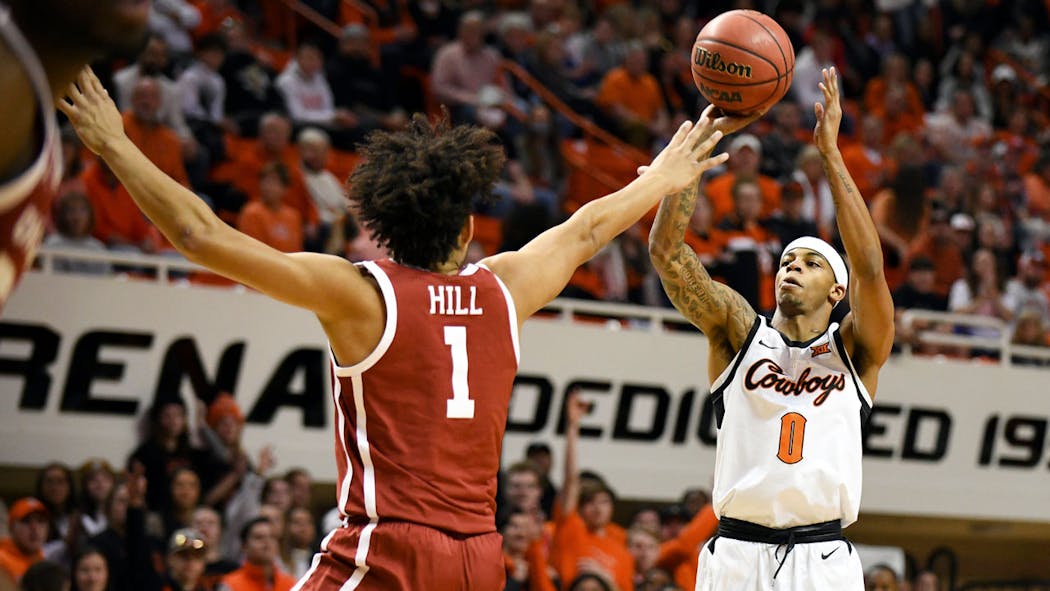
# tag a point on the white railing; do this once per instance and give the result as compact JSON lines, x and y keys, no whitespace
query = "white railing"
{"x":615,"y":316}
{"x":162,"y":265}
{"x":1000,"y":343}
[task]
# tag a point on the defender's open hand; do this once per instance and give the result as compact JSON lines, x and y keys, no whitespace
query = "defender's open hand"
{"x":92,"y":113}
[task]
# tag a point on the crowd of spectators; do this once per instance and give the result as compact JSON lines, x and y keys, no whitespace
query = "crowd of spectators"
{"x":947,"y":141}
{"x":191,"y":510}
{"x":946,"y":132}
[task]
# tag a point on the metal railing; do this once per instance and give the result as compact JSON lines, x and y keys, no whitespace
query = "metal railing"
{"x":175,"y":268}
{"x":981,"y":326}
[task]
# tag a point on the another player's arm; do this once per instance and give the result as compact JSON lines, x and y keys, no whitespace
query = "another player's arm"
{"x":868,"y":330}
{"x":301,"y":279}
{"x":538,"y":272}
{"x":716,"y":309}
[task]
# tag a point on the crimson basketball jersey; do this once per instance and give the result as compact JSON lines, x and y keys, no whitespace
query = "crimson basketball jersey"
{"x":419,"y":422}
{"x":25,"y":200}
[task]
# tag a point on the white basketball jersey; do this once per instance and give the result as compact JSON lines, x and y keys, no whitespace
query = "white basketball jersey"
{"x":789,"y":442}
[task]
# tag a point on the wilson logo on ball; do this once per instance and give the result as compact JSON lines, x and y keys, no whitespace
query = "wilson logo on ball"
{"x":713,"y":61}
{"x":719,"y":95}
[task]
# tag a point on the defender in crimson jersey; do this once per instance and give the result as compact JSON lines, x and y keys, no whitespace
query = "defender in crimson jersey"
{"x":424,"y":349}
{"x":43,"y":45}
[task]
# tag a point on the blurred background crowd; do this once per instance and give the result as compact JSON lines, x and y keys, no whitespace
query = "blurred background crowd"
{"x":257,"y":106}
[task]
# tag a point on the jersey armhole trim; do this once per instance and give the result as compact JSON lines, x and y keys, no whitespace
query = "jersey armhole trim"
{"x":390,"y":300}
{"x":719,"y":386}
{"x":862,"y":392}
{"x":512,"y":312}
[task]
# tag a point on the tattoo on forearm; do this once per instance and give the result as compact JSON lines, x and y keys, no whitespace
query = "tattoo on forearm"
{"x":686,"y":281}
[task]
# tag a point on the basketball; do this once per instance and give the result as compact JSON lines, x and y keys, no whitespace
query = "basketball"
{"x":743,"y":62}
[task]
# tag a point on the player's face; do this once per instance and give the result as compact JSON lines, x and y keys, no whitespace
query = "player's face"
{"x":804,"y":281}
{"x":98,"y":26}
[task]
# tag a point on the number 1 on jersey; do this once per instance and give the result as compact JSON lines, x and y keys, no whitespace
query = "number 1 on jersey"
{"x":460,"y":406}
{"x":792,"y":434}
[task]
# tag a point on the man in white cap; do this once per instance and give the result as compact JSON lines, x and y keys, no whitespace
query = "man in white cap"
{"x":790,"y":393}
{"x":745,"y":155}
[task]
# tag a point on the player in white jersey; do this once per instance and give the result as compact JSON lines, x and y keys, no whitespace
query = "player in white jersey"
{"x":791,"y":393}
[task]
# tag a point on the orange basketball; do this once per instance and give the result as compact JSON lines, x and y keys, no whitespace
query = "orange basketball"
{"x":743,"y":61}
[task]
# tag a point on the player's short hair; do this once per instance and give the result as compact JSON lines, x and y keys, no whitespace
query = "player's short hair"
{"x":417,"y":186}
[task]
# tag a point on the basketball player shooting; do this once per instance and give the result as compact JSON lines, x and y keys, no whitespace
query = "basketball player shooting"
{"x":790,"y":393}
{"x":424,"y":349}
{"x":43,"y":46}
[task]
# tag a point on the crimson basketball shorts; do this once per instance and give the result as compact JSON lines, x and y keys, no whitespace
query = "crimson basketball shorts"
{"x":402,"y":556}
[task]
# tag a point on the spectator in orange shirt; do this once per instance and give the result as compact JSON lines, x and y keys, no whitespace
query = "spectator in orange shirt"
{"x":680,"y":554}
{"x":27,"y":522}
{"x":705,"y":239}
{"x":894,"y":75}
{"x":118,"y":222}
{"x":632,"y":97}
{"x":144,"y":127}
{"x":524,"y":553}
{"x":270,"y":220}
{"x":938,"y":244}
{"x":745,"y":153}
{"x":752,"y":247}
{"x":866,"y":160}
{"x":897,"y":118}
{"x":259,"y":571}
{"x":242,"y":172}
{"x":583,"y":539}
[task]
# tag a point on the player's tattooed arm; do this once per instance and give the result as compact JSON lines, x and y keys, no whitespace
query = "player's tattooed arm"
{"x":717,"y":310}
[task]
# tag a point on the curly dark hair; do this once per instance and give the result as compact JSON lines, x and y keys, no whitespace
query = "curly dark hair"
{"x":415,"y":189}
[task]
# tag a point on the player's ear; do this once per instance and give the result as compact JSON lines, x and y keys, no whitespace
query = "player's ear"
{"x":838,"y":292}
{"x":466,"y":234}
